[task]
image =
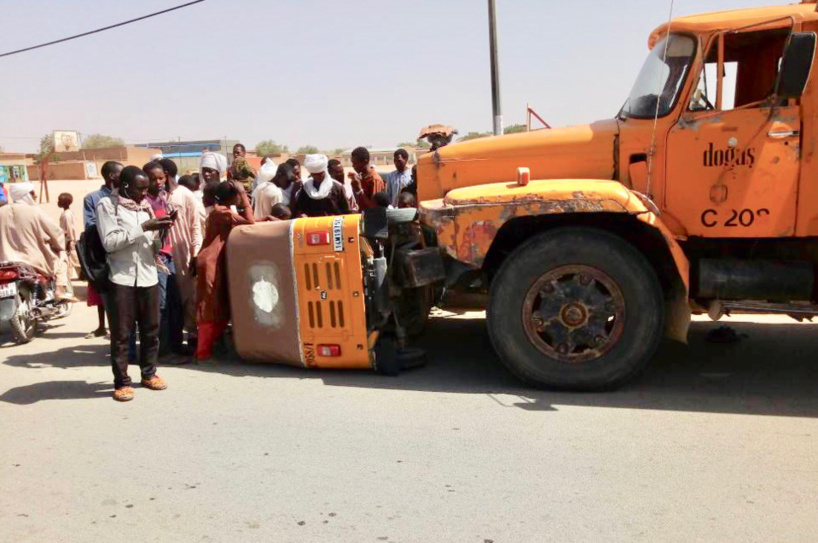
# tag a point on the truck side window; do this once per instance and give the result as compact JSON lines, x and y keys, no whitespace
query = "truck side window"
{"x":751,"y":62}
{"x":705,"y":96}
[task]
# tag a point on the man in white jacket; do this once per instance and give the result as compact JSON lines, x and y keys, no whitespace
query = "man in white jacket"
{"x":127,"y":229}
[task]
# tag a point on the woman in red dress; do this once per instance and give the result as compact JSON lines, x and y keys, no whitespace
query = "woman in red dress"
{"x":232,"y":208}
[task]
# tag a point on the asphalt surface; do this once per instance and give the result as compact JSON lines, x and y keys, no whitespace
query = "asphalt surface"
{"x":714,"y":443}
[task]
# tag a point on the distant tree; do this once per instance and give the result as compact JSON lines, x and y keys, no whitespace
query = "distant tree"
{"x":2,"y":150}
{"x":515,"y":128}
{"x":101,"y":141}
{"x":307,"y":150}
{"x":474,"y":136}
{"x":338,"y":151}
{"x":419,"y":144}
{"x":269,"y":147}
{"x":46,"y":146}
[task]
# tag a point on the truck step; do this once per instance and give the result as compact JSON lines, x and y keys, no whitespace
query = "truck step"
{"x":798,"y":311}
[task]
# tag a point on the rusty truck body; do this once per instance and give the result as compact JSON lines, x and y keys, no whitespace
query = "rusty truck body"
{"x":594,"y":241}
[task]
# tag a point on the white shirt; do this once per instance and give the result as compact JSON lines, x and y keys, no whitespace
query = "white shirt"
{"x":130,"y":249}
{"x":264,"y":198}
{"x":396,"y":182}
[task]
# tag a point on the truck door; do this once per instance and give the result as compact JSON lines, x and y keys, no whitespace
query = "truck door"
{"x":733,"y":158}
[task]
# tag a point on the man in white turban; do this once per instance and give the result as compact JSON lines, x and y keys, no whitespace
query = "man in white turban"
{"x":28,"y":235}
{"x":265,"y":173}
{"x":22,"y":193}
{"x":268,"y":193}
{"x":213,"y":167}
{"x":321,"y":195}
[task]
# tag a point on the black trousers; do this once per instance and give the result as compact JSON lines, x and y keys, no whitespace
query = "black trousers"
{"x":131,"y":306}
{"x":173,"y":317}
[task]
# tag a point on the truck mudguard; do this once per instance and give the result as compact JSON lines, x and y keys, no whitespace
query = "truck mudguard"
{"x":467,"y":220}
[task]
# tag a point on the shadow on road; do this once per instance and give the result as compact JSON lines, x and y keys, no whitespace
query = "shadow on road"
{"x":56,"y":390}
{"x":79,"y":356}
{"x":771,"y":372}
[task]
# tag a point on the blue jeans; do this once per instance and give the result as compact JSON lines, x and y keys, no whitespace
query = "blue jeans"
{"x":164,"y":324}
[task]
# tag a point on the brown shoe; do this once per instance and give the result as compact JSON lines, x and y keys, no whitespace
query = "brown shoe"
{"x":123,"y":394}
{"x":155,"y":383}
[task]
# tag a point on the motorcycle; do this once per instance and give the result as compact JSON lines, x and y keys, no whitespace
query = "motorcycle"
{"x":27,"y":298}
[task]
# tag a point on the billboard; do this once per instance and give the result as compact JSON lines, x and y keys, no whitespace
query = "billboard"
{"x":66,"y":141}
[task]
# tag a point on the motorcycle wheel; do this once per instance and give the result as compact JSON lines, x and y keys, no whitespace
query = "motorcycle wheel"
{"x":23,"y":325}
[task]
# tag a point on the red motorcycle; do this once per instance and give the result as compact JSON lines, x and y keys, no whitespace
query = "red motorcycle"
{"x":27,"y":298}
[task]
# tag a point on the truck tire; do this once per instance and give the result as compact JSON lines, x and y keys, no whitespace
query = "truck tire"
{"x":23,"y":324}
{"x":576,"y":309}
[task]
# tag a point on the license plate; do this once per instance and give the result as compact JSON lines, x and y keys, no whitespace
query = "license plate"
{"x":8,"y":290}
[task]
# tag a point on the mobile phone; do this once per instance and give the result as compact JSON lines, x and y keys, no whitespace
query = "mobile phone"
{"x":173,"y":214}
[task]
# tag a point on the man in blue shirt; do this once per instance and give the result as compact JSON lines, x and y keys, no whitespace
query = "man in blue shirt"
{"x":3,"y":199}
{"x":400,"y":178}
{"x":110,"y":175}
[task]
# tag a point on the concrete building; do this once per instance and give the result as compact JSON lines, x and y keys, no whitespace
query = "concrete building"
{"x":14,"y":167}
{"x":187,"y":154}
{"x":87,"y":163}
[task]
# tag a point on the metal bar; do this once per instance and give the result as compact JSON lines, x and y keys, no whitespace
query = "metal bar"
{"x":495,"y":71}
{"x":720,"y":78}
{"x":534,"y":113}
{"x":779,"y":309}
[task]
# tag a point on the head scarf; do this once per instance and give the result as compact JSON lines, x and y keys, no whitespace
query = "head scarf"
{"x":318,"y":164}
{"x":21,"y":193}
{"x":214,"y":161}
{"x":157,"y":157}
{"x":267,"y":172}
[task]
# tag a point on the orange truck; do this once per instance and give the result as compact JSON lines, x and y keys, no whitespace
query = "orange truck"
{"x":594,"y":241}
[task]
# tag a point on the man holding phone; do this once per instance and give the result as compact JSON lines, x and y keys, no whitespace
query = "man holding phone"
{"x":127,"y":228}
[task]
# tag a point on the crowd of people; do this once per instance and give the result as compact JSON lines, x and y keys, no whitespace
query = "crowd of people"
{"x":164,"y":240}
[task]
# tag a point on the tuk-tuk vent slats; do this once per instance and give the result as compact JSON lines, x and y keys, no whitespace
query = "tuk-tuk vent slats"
{"x":329,"y":276}
{"x":307,"y":276}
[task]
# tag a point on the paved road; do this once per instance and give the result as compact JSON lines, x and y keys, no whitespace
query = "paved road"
{"x":715,"y":443}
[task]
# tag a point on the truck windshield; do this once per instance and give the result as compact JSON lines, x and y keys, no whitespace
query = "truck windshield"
{"x":662,"y":78}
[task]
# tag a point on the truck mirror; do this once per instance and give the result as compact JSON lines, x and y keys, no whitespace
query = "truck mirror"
{"x":796,"y":65}
{"x":376,"y":223}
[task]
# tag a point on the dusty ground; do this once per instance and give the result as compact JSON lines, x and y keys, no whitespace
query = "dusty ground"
{"x":714,"y":443}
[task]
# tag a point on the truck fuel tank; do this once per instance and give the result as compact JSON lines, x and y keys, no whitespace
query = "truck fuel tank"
{"x":767,"y":280}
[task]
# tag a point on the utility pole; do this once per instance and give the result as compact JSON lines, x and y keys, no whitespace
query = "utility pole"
{"x":495,"y":71}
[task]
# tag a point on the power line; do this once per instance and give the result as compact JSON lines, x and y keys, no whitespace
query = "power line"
{"x":100,"y":29}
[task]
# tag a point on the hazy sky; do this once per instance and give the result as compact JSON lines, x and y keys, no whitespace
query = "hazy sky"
{"x":332,"y":73}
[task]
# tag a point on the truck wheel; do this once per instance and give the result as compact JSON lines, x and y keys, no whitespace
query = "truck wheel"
{"x":23,"y":324}
{"x":576,"y":308}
